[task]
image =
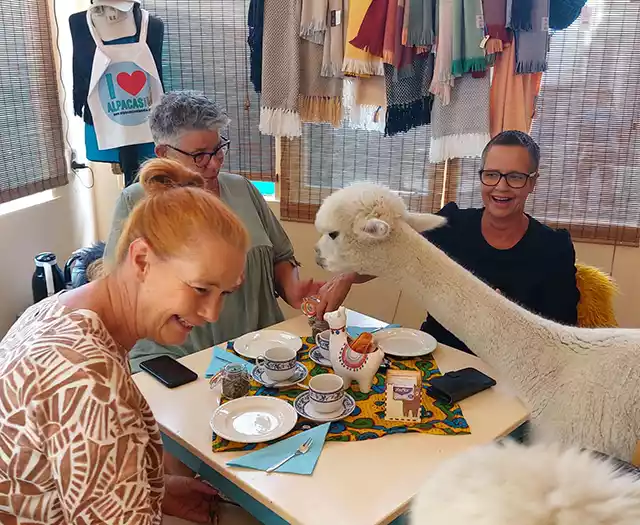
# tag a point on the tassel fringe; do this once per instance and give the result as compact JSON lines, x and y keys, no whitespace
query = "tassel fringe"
{"x":331,"y":70}
{"x":419,"y":38}
{"x":467,"y":145}
{"x":404,"y":117}
{"x":353,"y":66}
{"x":321,"y":109}
{"x":533,"y":66}
{"x":280,"y":122}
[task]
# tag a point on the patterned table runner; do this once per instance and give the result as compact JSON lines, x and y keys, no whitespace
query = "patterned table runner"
{"x":367,"y":420}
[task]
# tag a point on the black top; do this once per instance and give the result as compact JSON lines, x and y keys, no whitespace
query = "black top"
{"x":538,"y":273}
{"x":84,"y":49}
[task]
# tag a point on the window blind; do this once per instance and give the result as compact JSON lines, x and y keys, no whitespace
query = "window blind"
{"x":31,"y":137}
{"x":588,"y":126}
{"x":205,"y":49}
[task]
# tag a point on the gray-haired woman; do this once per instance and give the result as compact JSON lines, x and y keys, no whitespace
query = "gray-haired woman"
{"x":186,"y":127}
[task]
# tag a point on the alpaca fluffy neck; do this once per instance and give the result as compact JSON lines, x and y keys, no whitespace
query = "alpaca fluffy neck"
{"x":513,"y":340}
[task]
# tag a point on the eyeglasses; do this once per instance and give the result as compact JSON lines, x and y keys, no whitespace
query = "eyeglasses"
{"x":514,"y":179}
{"x":202,"y":158}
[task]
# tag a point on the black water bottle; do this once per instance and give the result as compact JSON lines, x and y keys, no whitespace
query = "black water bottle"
{"x":48,"y":278}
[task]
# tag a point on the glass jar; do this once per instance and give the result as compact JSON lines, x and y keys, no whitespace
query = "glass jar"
{"x":235,"y":381}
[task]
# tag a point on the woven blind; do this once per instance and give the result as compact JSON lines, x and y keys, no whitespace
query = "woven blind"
{"x":325,"y":159}
{"x":588,"y":127}
{"x":31,"y":137}
{"x":205,"y":49}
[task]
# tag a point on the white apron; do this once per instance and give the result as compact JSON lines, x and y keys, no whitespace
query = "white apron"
{"x":124,"y":85}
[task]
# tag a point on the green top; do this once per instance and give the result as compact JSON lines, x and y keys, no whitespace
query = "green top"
{"x":254,"y":306}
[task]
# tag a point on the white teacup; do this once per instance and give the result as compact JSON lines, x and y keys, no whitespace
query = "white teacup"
{"x":279,"y":363}
{"x":326,"y":392}
{"x":322,"y":342}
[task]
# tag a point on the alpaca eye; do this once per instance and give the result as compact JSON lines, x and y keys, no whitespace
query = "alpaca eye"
{"x":333,"y":235}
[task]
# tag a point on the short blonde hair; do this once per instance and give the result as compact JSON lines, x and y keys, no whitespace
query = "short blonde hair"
{"x":177,"y":212}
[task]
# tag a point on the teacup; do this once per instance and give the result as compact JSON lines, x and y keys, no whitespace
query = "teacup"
{"x":326,"y":392}
{"x":279,"y":363}
{"x":322,"y":342}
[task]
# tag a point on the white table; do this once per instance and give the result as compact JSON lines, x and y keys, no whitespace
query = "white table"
{"x":357,"y":483}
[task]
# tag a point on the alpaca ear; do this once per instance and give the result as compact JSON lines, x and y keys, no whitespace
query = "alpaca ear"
{"x":422,"y":222}
{"x":373,"y":228}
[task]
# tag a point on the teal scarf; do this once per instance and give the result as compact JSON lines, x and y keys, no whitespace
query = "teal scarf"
{"x":468,"y":32}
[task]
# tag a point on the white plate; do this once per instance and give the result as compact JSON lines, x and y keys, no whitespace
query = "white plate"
{"x":316,"y":356}
{"x":259,"y":374}
{"x":405,"y":342}
{"x":302,"y":404}
{"x":257,"y":343}
{"x":253,"y":419}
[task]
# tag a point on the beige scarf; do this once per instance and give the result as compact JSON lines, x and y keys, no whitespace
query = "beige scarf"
{"x":334,"y":39}
{"x":313,"y":20}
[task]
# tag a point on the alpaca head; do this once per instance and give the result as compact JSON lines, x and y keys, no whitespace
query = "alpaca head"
{"x":337,"y":319}
{"x":357,"y":224}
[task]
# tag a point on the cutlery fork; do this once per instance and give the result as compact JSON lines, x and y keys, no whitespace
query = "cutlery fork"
{"x":302,"y":449}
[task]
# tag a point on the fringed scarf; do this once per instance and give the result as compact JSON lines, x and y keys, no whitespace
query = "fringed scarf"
{"x":495,"y":19}
{"x":357,"y":61}
{"x":519,"y":14}
{"x":442,"y":77}
{"x":468,"y":33}
{"x":513,"y":97}
{"x":255,"y":20}
{"x":532,"y":45}
{"x":279,"y":114}
{"x":320,"y":97}
{"x":364,"y":103}
{"x":408,"y":98}
{"x":392,"y":41}
{"x":421,"y":27}
{"x":313,"y":20}
{"x":335,"y":34}
{"x":461,"y":129}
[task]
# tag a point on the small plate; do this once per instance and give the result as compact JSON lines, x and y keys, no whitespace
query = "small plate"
{"x":257,"y":343}
{"x":302,"y":405}
{"x":259,"y":374}
{"x":253,"y":419}
{"x":405,"y":342}
{"x":316,"y":356}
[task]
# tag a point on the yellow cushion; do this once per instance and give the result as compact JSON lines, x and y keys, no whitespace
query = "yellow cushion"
{"x":597,"y":290}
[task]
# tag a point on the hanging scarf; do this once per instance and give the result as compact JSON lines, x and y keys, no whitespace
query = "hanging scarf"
{"x":461,"y":129}
{"x":392,"y":32}
{"x":532,"y":46}
{"x":255,"y":22}
{"x":408,"y":98}
{"x":468,"y":33}
{"x":442,"y":77}
{"x":405,"y":23}
{"x":357,"y":61}
{"x":370,"y":36}
{"x":520,"y":14}
{"x":320,"y":97}
{"x":495,"y":19}
{"x":513,"y":97}
{"x":313,"y":20}
{"x":279,"y":115}
{"x":421,"y":30}
{"x":333,"y":53}
{"x":360,"y":105}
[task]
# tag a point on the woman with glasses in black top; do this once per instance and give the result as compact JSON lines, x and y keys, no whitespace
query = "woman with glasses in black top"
{"x":512,"y":252}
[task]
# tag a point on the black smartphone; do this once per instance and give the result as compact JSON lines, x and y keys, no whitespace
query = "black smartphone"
{"x":168,"y":371}
{"x":457,"y":385}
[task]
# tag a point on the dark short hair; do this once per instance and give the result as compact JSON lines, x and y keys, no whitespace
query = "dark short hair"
{"x":513,"y":137}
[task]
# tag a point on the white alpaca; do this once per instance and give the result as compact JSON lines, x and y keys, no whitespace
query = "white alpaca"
{"x":516,"y":485}
{"x":346,"y":362}
{"x":583,"y":385}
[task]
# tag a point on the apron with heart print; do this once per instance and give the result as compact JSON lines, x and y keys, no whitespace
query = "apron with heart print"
{"x":124,"y":85}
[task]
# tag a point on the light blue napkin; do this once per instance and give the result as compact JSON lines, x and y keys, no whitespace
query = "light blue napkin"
{"x":303,"y":464}
{"x":356,"y":331}
{"x":220,"y":358}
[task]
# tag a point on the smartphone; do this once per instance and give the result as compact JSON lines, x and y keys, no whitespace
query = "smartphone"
{"x":168,"y":371}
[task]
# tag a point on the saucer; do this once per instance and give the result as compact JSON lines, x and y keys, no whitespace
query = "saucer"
{"x":259,"y":374}
{"x":257,"y":343}
{"x":316,"y":356}
{"x":302,"y":404}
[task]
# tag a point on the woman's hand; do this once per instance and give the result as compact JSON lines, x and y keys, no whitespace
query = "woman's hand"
{"x":301,"y":288}
{"x":333,"y":293}
{"x":189,"y":499}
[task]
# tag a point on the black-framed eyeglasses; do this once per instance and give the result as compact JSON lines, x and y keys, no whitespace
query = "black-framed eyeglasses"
{"x":202,"y":158}
{"x":514,"y":179}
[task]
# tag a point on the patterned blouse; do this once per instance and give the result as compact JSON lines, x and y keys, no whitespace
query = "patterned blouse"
{"x":78,"y":442}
